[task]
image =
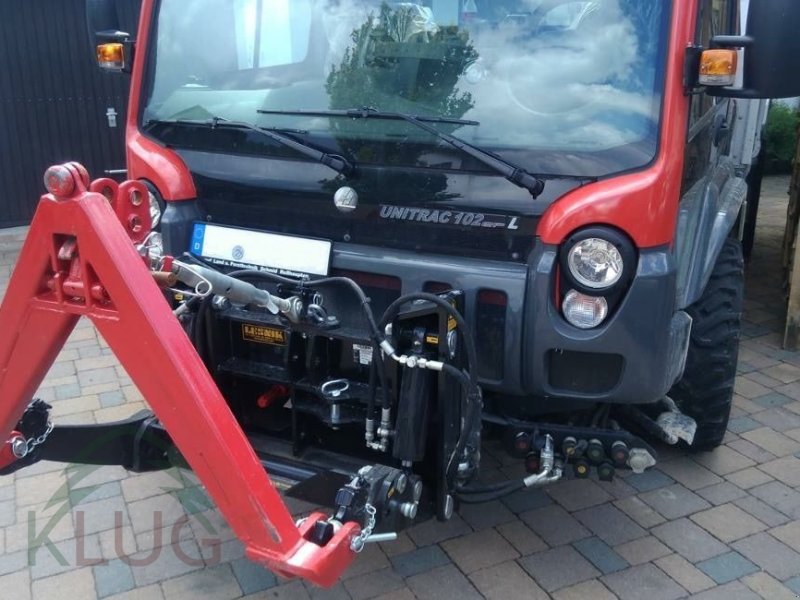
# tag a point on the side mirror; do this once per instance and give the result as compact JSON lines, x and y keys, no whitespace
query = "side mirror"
{"x":112,"y":47}
{"x":771,"y":52}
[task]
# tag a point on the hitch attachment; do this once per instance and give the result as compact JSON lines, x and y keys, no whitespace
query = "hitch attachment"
{"x":23,"y":445}
{"x":378,"y":489}
{"x":80,"y":259}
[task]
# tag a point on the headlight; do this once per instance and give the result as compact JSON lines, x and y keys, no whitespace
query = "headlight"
{"x":584,"y":311}
{"x":595,"y":263}
{"x":155,"y":210}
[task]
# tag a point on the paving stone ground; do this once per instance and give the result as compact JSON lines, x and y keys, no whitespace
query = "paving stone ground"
{"x":716,"y":525}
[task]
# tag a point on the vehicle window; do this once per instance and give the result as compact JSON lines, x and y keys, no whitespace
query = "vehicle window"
{"x":271,"y":32}
{"x":563,"y":86}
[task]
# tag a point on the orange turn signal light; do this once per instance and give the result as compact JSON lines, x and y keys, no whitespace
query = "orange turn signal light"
{"x":718,"y":67}
{"x":111,"y":56}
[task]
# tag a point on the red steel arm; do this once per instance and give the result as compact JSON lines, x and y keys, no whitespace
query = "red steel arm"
{"x":80,"y":243}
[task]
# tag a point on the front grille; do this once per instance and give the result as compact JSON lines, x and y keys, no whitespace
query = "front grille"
{"x":382,"y":290}
{"x":490,"y":332}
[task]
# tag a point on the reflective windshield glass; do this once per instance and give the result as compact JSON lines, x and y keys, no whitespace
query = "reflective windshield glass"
{"x":558,"y":86}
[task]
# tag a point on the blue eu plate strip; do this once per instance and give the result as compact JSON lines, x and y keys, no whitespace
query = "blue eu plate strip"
{"x":197,"y":239}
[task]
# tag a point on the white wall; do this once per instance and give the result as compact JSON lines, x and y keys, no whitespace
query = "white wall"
{"x":794,"y":102}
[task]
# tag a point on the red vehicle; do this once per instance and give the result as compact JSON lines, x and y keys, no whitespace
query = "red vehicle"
{"x":387,"y":230}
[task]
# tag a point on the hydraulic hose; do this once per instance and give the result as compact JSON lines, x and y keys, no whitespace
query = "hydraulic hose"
{"x":549,"y":472}
{"x":476,"y":496}
{"x":467,"y":380}
{"x":466,"y":335}
{"x":473,"y":396}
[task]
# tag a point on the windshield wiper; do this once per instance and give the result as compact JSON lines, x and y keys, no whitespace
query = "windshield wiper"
{"x":333,"y":161}
{"x":513,"y":173}
{"x":359,"y":113}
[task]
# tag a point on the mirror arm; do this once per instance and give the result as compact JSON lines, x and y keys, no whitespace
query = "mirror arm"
{"x":731,"y":41}
{"x":691,"y":68}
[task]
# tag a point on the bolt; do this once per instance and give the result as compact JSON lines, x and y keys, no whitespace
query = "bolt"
{"x":449,"y":505}
{"x":409,"y":510}
{"x":19,"y":447}
{"x":220,"y":303}
{"x":401,"y":482}
{"x":417,"y":490}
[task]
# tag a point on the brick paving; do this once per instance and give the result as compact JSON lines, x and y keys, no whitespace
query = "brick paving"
{"x":718,"y":525}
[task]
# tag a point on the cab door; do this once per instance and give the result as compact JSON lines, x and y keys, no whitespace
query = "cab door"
{"x":709,"y":174}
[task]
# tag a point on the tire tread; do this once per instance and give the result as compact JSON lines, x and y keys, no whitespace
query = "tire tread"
{"x":705,"y":392}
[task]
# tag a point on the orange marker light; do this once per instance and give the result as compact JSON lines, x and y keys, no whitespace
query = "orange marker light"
{"x":111,"y":56}
{"x":718,"y":67}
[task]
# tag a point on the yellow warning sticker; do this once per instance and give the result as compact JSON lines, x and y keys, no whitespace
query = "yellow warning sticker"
{"x":263,"y":335}
{"x":451,"y":323}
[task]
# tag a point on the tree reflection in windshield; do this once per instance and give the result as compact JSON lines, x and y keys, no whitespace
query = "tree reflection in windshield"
{"x":402,"y":61}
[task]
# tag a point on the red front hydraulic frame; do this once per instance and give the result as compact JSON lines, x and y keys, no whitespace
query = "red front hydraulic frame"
{"x":79,"y":259}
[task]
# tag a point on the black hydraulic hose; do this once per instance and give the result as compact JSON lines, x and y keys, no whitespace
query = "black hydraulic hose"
{"x":373,"y":383}
{"x":199,"y":337}
{"x":376,"y":333}
{"x":472,"y":418}
{"x":489,"y":487}
{"x":463,"y":330}
{"x":468,"y":380}
{"x":476,"y":497}
{"x":386,"y":401}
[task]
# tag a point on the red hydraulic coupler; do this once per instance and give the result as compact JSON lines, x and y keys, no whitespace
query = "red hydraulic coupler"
{"x":80,"y":260}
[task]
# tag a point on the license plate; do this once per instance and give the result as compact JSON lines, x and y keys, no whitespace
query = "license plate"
{"x":285,"y":255}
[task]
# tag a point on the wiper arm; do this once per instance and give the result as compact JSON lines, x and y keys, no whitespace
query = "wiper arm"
{"x":363,"y":113}
{"x":333,"y":161}
{"x":513,"y":173}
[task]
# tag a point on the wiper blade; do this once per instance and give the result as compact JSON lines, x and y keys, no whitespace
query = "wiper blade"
{"x":363,"y":113}
{"x":512,"y":172}
{"x":333,"y":161}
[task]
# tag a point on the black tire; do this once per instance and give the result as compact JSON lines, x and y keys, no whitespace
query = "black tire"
{"x":705,"y":392}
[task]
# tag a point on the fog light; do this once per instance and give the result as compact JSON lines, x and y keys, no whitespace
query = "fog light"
{"x":584,"y":311}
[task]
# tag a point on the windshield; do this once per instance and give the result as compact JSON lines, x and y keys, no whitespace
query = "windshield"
{"x":558,"y":86}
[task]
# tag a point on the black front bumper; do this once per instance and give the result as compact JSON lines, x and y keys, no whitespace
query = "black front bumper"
{"x":633,"y":357}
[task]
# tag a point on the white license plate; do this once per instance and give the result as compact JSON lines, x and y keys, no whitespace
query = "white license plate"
{"x":276,"y":253}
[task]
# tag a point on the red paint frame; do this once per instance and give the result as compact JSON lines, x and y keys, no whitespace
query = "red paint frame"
{"x":79,"y":261}
{"x":643,"y":204}
{"x":147,"y":159}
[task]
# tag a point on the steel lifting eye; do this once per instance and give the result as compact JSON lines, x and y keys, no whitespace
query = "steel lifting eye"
{"x":335,"y":387}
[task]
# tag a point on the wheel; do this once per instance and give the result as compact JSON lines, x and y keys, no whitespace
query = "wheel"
{"x":706,"y":390}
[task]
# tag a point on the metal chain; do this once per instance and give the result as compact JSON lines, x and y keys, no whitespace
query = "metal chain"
{"x":358,"y":542}
{"x":33,"y":442}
